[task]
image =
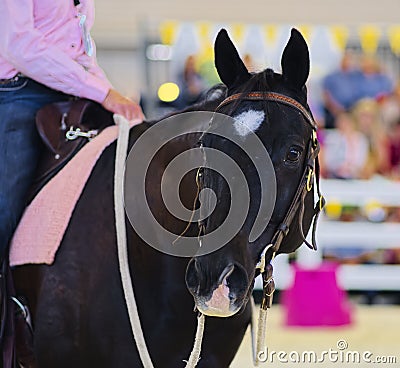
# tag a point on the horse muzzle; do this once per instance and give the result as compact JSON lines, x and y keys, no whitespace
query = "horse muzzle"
{"x":222,"y":298}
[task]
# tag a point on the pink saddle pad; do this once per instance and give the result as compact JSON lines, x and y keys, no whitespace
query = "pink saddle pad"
{"x":43,"y":224}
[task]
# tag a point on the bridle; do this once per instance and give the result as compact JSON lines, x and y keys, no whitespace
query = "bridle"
{"x":311,"y":172}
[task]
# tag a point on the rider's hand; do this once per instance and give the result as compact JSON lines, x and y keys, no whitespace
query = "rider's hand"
{"x":121,"y":105}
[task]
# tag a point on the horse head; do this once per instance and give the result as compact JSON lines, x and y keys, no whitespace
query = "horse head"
{"x":274,"y":107}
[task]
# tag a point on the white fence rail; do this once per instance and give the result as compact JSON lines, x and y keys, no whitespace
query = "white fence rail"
{"x":365,"y":235}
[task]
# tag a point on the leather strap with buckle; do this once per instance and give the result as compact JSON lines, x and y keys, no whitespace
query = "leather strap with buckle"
{"x":311,"y":172}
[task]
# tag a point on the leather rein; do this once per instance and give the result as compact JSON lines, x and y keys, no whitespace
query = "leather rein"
{"x":311,"y":173}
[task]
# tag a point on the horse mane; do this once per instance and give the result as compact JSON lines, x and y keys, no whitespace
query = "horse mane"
{"x":210,"y":99}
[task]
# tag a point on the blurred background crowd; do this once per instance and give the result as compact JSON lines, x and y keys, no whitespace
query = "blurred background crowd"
{"x":354,"y":87}
{"x":361,"y":117}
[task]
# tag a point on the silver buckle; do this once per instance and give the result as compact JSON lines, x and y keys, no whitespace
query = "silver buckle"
{"x":72,"y":134}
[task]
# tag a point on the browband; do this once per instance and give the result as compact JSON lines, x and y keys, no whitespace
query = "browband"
{"x":271,"y":96}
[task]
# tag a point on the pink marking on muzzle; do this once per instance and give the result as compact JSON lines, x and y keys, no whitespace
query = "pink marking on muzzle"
{"x":220,"y":299}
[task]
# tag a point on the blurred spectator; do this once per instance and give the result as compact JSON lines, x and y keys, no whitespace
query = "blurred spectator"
{"x":340,"y":90}
{"x":191,"y":83}
{"x":392,"y":256}
{"x":390,"y":108}
{"x":394,"y":150}
{"x":345,"y":150}
{"x":367,"y":116}
{"x":373,"y":82}
{"x":209,"y":73}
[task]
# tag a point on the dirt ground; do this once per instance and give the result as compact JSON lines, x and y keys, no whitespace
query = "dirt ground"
{"x":373,"y":338}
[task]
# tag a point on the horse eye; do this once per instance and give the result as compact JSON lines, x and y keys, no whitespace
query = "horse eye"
{"x":293,"y":155}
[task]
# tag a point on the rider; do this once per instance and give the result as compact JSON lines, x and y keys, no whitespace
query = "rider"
{"x":46,"y":55}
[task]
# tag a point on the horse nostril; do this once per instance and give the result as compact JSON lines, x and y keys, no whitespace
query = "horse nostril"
{"x":192,"y":276}
{"x":225,"y":274}
{"x":237,"y":280}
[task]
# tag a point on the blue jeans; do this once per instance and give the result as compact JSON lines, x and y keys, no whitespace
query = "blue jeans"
{"x":20,"y":147}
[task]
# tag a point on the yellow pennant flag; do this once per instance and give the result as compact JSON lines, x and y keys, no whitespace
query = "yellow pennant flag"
{"x":204,"y":31}
{"x":168,"y":30}
{"x":369,"y":38}
{"x":271,"y":33}
{"x":394,"y":39}
{"x":206,"y":53}
{"x":340,"y":35}
{"x":306,"y":30}
{"x":238,"y":32}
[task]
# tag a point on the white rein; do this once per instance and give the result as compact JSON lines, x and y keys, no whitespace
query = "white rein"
{"x":121,"y":153}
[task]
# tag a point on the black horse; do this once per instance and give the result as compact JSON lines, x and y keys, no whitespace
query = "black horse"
{"x":80,"y":316}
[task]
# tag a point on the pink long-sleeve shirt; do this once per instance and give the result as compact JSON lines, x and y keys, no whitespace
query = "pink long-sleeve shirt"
{"x":42,"y":39}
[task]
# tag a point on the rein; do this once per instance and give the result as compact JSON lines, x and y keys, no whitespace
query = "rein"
{"x":120,"y":156}
{"x":126,"y":279}
{"x":311,"y":173}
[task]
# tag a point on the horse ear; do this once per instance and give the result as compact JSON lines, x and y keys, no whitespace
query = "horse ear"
{"x":230,"y":66}
{"x":296,"y":60}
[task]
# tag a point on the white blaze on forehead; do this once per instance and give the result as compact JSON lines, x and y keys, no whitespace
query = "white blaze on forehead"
{"x":248,"y":121}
